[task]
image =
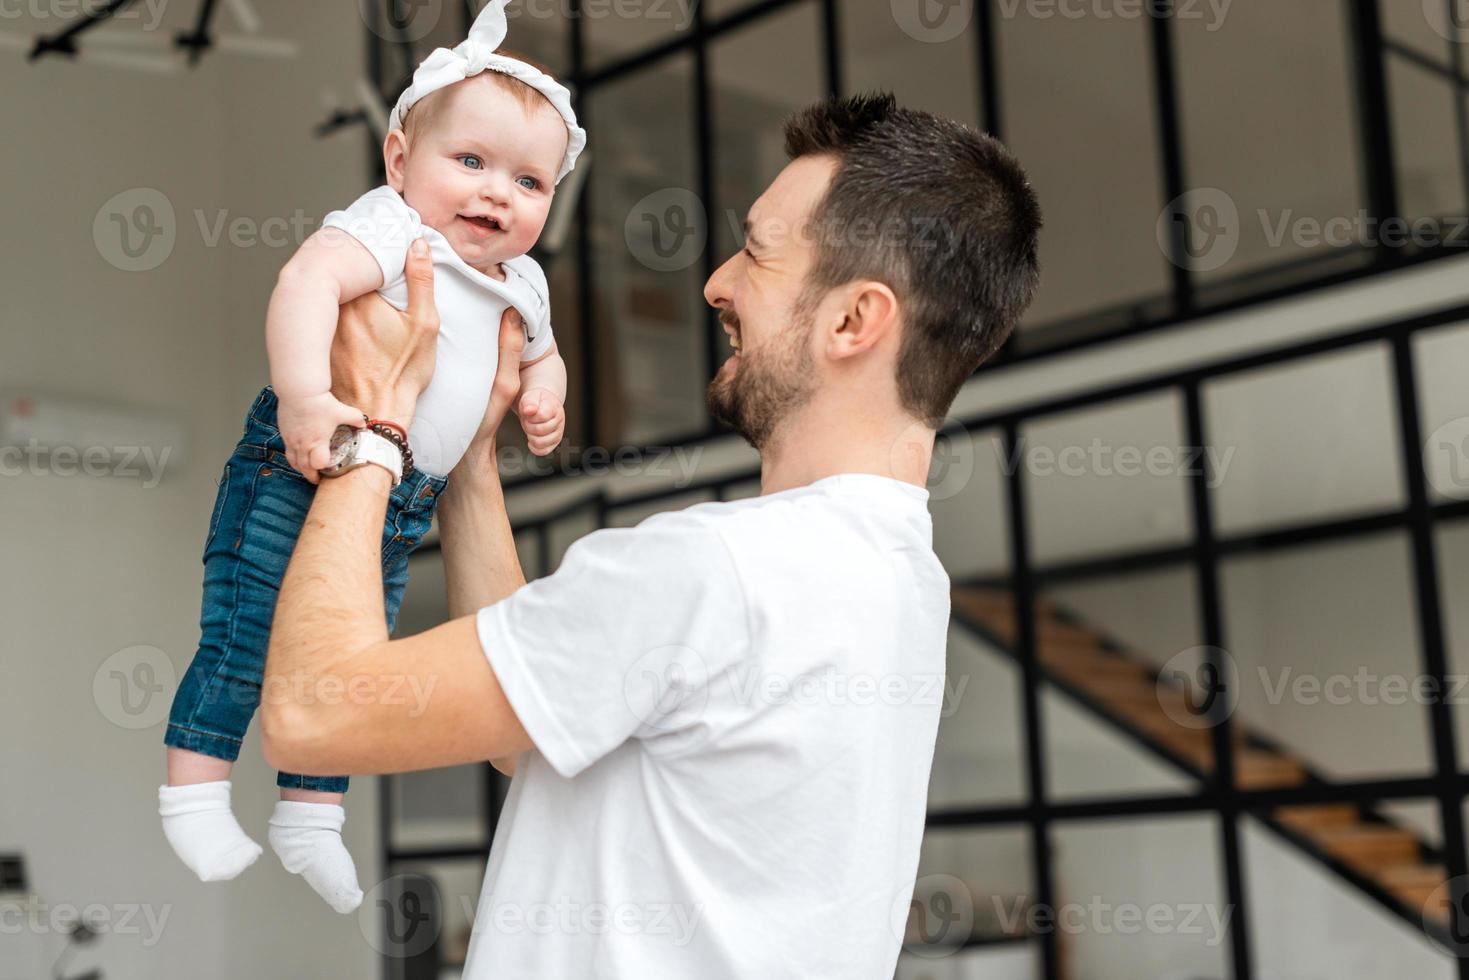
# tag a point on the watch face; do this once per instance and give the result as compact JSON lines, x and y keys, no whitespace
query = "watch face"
{"x":343,"y":446}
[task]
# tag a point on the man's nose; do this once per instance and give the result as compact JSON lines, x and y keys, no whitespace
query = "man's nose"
{"x":716,"y":290}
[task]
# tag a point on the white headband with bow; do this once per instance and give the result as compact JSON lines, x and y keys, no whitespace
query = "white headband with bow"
{"x":478,"y":54}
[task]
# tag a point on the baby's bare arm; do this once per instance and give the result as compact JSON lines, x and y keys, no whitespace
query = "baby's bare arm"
{"x":547,"y":371}
{"x":330,"y":268}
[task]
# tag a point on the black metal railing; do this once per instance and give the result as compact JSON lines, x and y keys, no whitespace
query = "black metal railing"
{"x":1186,"y":299}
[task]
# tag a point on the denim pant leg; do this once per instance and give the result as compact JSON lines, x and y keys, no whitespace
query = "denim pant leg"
{"x":259,"y":510}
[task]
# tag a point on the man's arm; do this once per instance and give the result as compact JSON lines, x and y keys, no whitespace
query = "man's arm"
{"x":339,"y":696}
{"x":481,"y":565}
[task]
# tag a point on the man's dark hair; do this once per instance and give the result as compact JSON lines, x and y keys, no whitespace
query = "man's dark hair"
{"x":941,"y":213}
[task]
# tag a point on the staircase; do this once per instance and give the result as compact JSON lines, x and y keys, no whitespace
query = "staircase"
{"x":1377,"y":855}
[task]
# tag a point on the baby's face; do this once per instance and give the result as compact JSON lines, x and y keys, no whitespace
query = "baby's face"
{"x":483,"y":173}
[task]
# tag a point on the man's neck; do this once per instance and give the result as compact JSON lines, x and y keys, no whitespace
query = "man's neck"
{"x":823,"y":441}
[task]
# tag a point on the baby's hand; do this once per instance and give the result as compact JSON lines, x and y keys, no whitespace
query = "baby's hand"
{"x":543,"y":418}
{"x":307,"y":425}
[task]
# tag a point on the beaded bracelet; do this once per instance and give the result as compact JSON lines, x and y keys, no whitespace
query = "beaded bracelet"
{"x":394,"y":433}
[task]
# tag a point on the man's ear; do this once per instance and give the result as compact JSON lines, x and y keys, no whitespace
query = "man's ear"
{"x":867,"y":312}
{"x":395,"y":158}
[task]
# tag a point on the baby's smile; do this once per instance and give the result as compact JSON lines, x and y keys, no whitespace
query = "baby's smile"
{"x":483,"y":225}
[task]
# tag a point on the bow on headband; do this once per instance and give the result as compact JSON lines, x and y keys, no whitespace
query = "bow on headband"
{"x":478,"y":54}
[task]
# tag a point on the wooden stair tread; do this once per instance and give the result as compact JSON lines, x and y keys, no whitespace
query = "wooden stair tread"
{"x":1370,"y":847}
{"x":1127,"y":687}
{"x":1311,"y":817}
{"x":1403,"y":875}
{"x":1259,"y":768}
{"x":1418,"y":886}
{"x":1093,"y":662}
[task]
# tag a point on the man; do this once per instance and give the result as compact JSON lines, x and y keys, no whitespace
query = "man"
{"x":722,"y":720}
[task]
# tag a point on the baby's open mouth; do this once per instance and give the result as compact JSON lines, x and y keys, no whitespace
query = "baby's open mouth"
{"x":485,"y":225}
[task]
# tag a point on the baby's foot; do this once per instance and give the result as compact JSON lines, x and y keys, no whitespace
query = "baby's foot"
{"x":308,"y":838}
{"x":204,"y":832}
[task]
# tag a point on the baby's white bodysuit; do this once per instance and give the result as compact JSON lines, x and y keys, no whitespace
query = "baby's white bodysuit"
{"x":470,"y":306}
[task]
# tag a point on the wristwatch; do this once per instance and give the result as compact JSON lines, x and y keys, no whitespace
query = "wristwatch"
{"x":352,"y":448}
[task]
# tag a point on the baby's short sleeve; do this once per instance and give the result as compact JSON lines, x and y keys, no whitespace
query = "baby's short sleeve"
{"x":538,"y":325}
{"x":384,"y":223}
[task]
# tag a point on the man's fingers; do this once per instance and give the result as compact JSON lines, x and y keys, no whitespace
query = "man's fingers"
{"x":419,"y":272}
{"x":512,"y":342}
{"x":541,"y":428}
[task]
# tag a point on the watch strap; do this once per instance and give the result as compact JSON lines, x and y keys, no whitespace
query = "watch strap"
{"x":373,"y":448}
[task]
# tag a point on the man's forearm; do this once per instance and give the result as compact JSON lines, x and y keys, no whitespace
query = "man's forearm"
{"x":331,"y":600}
{"x":481,"y":565}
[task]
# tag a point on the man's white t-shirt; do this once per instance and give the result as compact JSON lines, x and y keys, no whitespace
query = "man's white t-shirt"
{"x":470,"y":305}
{"x":734,"y":709}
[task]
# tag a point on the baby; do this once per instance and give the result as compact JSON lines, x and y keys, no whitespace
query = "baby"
{"x":476,"y":147}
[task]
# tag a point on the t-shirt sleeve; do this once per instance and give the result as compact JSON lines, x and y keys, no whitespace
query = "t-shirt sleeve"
{"x":538,"y":317}
{"x":620,"y":642}
{"x":384,"y":223}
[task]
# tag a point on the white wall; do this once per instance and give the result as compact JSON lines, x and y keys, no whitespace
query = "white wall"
{"x":95,"y":565}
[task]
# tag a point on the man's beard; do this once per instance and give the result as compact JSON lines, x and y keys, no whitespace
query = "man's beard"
{"x":768,"y":385}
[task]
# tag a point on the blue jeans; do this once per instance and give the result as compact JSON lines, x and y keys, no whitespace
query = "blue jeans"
{"x":258,"y":514}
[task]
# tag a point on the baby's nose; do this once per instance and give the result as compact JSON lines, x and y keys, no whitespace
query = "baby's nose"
{"x":496,"y":188}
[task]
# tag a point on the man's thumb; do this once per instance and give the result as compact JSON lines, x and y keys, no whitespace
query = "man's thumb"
{"x":531,"y":403}
{"x":420,"y":275}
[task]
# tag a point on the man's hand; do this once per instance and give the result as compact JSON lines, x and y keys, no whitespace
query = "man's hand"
{"x":478,"y":464}
{"x":383,"y":359}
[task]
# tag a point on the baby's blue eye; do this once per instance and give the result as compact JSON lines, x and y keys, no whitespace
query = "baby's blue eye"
{"x":529,"y":183}
{"x":477,"y":165}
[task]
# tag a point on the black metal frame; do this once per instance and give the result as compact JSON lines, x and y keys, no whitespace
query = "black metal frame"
{"x":1185,"y":301}
{"x":1219,"y":795}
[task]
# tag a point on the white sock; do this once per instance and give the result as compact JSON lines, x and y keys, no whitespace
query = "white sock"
{"x":308,"y":838}
{"x":203,"y":831}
